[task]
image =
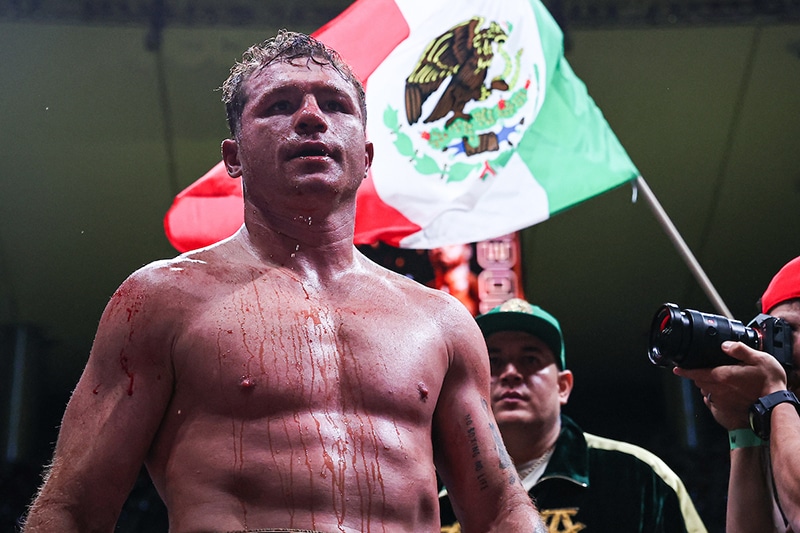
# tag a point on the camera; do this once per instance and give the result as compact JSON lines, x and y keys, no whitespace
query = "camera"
{"x":690,"y":339}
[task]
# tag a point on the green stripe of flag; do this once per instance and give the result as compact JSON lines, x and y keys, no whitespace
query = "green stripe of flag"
{"x":570,"y":148}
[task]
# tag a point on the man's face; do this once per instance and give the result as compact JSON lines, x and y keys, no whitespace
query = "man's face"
{"x":790,"y":312}
{"x":301,"y":132}
{"x":526,"y":387}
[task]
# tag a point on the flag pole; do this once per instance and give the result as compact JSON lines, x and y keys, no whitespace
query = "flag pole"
{"x":683,"y":249}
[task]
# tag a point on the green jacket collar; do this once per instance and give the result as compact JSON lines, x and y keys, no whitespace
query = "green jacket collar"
{"x":570,"y":458}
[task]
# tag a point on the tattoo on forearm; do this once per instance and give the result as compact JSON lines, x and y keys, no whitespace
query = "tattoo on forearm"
{"x":483,"y":482}
{"x":505,"y":459}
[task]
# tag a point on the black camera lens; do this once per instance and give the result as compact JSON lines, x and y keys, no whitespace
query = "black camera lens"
{"x":669,"y":335}
{"x":691,"y":339}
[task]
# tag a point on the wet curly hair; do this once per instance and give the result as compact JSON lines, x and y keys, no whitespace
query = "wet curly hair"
{"x":289,"y":47}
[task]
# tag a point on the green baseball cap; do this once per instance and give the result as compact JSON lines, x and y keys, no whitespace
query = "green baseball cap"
{"x":518,"y":315}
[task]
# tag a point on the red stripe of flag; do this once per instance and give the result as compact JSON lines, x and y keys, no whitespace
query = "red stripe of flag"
{"x":207,"y":211}
{"x":365,"y":33}
{"x":379,"y":26}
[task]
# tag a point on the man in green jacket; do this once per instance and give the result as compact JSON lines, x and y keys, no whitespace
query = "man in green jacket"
{"x":578,"y":480}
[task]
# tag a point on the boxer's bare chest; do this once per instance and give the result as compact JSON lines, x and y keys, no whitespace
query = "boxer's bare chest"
{"x":277,"y":343}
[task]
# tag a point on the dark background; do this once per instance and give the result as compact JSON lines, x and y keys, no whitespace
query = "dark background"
{"x":109,"y":109}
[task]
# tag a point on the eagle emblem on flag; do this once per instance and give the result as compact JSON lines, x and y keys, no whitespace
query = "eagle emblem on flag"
{"x":459,"y":126}
{"x":463,"y":54}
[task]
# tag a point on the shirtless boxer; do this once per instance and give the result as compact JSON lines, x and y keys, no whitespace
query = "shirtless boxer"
{"x":279,"y":379}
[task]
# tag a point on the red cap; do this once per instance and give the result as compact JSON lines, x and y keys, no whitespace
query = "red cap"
{"x":784,"y":286}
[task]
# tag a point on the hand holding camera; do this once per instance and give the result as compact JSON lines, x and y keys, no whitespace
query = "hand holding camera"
{"x":686,"y":338}
{"x":690,"y":341}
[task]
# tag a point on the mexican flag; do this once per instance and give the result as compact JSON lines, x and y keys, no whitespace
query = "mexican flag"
{"x":480,"y":126}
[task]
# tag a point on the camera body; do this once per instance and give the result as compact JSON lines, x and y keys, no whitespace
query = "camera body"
{"x":690,"y":339}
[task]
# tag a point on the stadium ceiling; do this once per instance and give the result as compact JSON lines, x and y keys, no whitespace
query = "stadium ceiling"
{"x":581,"y":14}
